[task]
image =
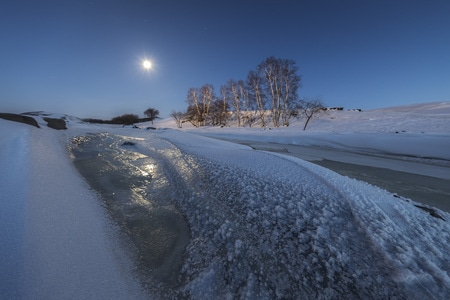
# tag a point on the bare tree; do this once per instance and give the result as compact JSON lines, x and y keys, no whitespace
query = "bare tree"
{"x":281,"y":83}
{"x":218,"y":112}
{"x":194,"y":112}
{"x":256,"y":95}
{"x":310,"y":109}
{"x":290,"y":82}
{"x":151,"y":114}
{"x":269,"y":71}
{"x":246,"y":105}
{"x":223,"y":104}
{"x":236,"y":100}
{"x":178,"y":116}
{"x":231,"y":94}
{"x":199,"y":100}
{"x":192,"y":116}
{"x":207,"y":96}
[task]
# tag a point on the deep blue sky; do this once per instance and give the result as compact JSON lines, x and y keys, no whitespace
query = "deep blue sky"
{"x":84,"y":57}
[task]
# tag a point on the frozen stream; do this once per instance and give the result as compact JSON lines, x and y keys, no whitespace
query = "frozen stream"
{"x":208,"y":219}
{"x":140,"y":198}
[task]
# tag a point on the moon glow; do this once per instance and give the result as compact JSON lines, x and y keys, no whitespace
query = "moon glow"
{"x":147,"y":64}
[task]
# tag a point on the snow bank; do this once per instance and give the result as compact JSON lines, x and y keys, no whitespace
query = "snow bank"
{"x":13,"y":182}
{"x":55,"y":243}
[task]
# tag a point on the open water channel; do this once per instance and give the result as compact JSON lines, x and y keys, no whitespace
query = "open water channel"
{"x":425,"y":183}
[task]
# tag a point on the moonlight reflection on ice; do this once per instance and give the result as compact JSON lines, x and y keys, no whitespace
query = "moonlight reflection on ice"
{"x":137,"y":196}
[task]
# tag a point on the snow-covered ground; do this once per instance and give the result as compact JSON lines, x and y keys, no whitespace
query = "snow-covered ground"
{"x":262,"y":225}
{"x":416,"y":131}
{"x":55,"y":239}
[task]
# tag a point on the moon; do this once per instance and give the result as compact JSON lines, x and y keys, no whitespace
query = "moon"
{"x":147,"y":64}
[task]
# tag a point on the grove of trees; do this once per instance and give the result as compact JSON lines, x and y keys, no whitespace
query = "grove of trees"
{"x":128,"y":119}
{"x":269,"y":95}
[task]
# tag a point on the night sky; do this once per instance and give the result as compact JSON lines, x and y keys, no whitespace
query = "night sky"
{"x":84,"y":58}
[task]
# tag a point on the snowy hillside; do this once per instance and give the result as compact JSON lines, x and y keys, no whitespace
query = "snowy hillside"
{"x":102,"y":212}
{"x":417,"y":131}
{"x":419,"y":118}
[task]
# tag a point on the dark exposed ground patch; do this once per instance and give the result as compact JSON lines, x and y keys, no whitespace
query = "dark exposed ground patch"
{"x":19,"y":118}
{"x":431,"y":211}
{"x":57,"y":124}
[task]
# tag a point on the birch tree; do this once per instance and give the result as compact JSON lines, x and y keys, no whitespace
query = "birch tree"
{"x":281,"y":82}
{"x":199,"y":101}
{"x":269,"y":70}
{"x":290,"y":82}
{"x":207,"y":96}
{"x":230,"y":92}
{"x":223,"y":105}
{"x":256,"y":95}
{"x":194,"y":112}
